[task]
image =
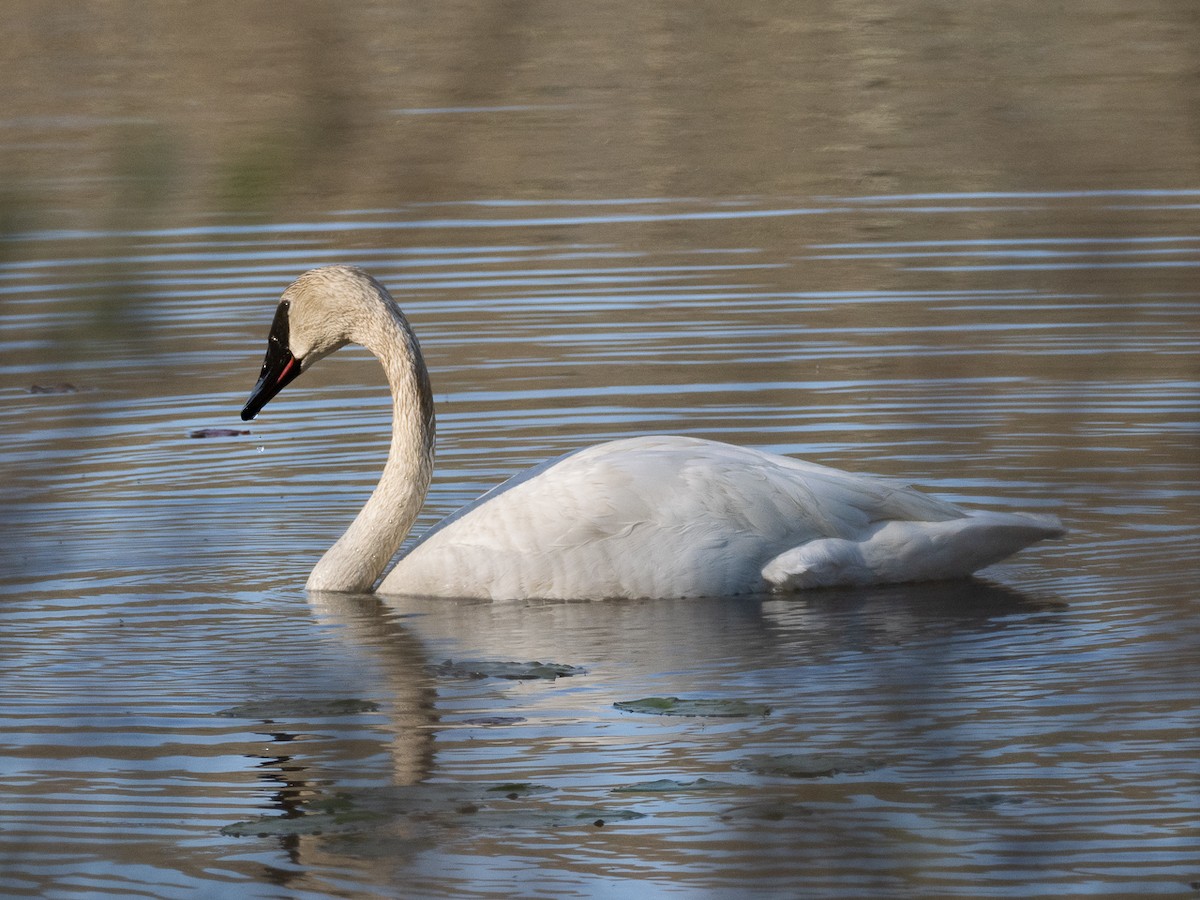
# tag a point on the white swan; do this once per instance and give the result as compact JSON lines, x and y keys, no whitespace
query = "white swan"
{"x":641,"y":517}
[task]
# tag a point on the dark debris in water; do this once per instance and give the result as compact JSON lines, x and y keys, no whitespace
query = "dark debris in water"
{"x":216,"y":432}
{"x":61,"y":387}
{"x":494,"y":720}
{"x":674,"y":706}
{"x":298,"y":707}
{"x":806,"y":765}
{"x":514,"y":671}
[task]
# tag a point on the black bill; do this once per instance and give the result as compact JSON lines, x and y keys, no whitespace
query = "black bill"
{"x":279,"y":366}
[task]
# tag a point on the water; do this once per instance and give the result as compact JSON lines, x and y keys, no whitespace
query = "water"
{"x":180,"y":719}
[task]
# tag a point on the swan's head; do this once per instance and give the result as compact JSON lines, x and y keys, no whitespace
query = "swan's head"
{"x":321,"y":311}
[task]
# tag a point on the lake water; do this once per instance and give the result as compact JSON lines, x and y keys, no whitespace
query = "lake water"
{"x":180,"y":719}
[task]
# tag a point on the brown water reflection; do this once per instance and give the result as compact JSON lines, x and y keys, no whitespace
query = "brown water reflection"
{"x":162,"y":113}
{"x":952,"y":244}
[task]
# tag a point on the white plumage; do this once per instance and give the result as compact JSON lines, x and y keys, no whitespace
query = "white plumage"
{"x":641,"y":517}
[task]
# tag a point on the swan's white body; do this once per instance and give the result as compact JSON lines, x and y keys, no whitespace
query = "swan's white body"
{"x":642,"y":517}
{"x":678,"y":516}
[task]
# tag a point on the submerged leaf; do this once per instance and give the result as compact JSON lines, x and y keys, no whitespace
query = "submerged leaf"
{"x":767,"y":811}
{"x":516,"y":671}
{"x":273,"y":826}
{"x":298,"y":707}
{"x":670,"y":784}
{"x":512,"y":790}
{"x":494,"y":720}
{"x":421,"y":810}
{"x":674,"y":706}
{"x":987,"y":801}
{"x":806,"y":765}
{"x":599,"y":817}
{"x":332,"y":816}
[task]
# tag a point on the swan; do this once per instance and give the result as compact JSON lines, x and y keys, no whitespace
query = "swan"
{"x":634,"y":518}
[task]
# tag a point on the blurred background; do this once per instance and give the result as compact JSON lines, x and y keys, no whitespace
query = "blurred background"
{"x":143,"y":114}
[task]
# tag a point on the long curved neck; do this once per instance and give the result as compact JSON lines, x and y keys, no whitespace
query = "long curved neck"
{"x":360,"y":555}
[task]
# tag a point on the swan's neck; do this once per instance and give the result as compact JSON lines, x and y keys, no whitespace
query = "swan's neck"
{"x":360,"y":555}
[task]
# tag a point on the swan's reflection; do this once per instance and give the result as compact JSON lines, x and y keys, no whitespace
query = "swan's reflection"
{"x":652,"y":637}
{"x":374,"y":639}
{"x":323,"y":761}
{"x":760,"y":648}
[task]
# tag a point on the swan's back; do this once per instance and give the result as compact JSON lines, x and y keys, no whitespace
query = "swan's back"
{"x":675,"y":516}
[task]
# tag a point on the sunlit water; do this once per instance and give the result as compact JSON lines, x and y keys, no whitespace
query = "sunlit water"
{"x":179,"y":719}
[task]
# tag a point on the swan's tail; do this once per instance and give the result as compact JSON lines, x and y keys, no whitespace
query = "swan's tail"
{"x":896,"y":551}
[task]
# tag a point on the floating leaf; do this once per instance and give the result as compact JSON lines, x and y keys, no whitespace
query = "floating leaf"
{"x":805,"y":765}
{"x":674,"y":706}
{"x":515,"y":671}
